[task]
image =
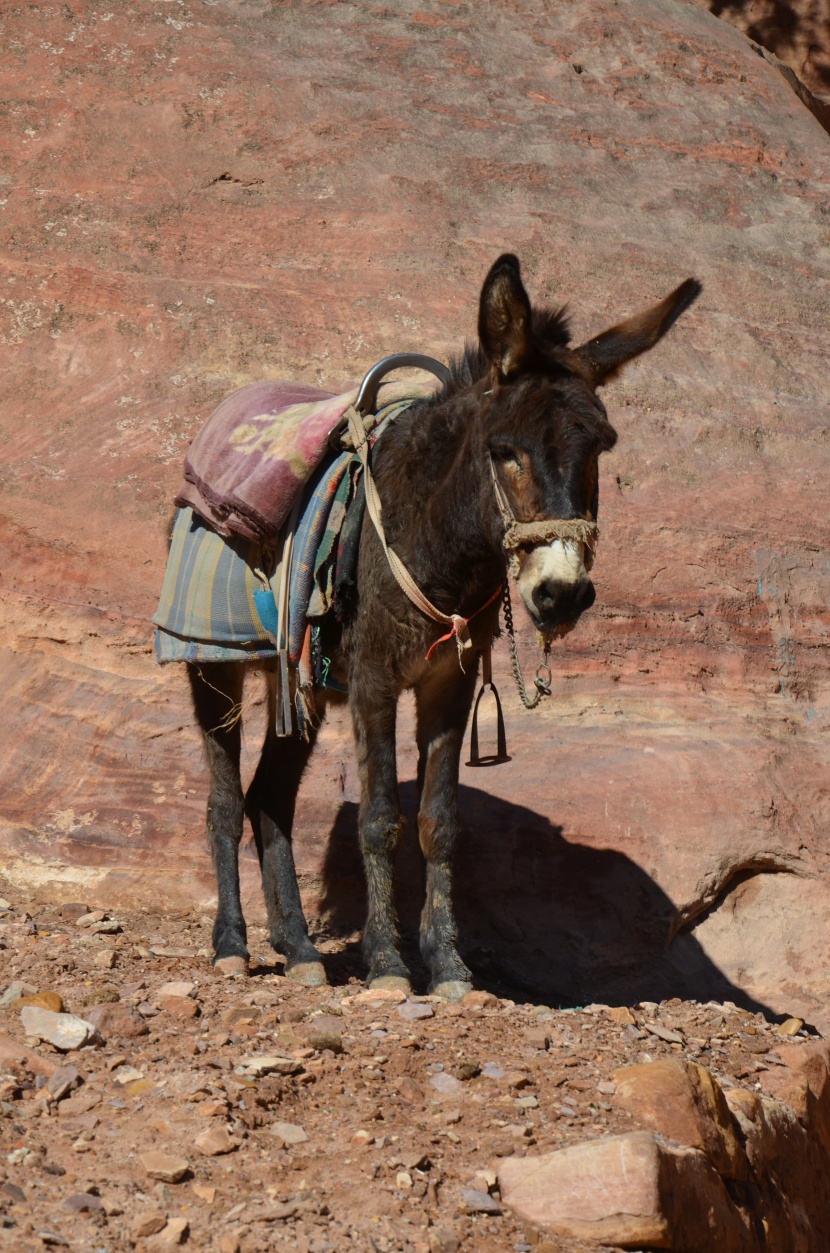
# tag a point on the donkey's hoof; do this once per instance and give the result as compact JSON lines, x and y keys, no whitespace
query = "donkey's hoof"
{"x":309,"y":974}
{"x":451,"y":989}
{"x":391,"y":983}
{"x":231,"y":966}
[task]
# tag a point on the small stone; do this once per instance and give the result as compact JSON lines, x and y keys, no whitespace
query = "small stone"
{"x":325,"y":1032}
{"x":105,"y":959}
{"x":83,"y":1203}
{"x":288,"y":1132}
{"x":271,"y":1065}
{"x":476,"y":1202}
{"x":362,"y":1139}
{"x":14,"y":992}
{"x":148,"y":1224}
{"x":42,"y":1000}
{"x":210,"y":1109}
{"x":446,"y":1085}
{"x":467,"y":1070}
{"x":165,"y":1167}
{"x":412,"y":1011}
{"x":607,"y":1088}
{"x":664,"y":1033}
{"x":171,"y":1235}
{"x":73,"y":910}
{"x":537,"y":1038}
{"x":101,"y":996}
{"x":791,"y":1027}
{"x":442,"y":1240}
{"x":373,"y":996}
{"x":179,"y":1006}
{"x":205,"y":1192}
{"x":108,"y":927}
{"x":62,"y":1081}
{"x":480,"y":1000}
{"x":63,"y":1031}
{"x":178,"y":987}
{"x":228,"y":1242}
{"x":214,"y":1142}
{"x":4,"y":904}
{"x":117,"y":1021}
{"x":86,"y":920}
{"x":621,"y":1015}
{"x":126,"y":1075}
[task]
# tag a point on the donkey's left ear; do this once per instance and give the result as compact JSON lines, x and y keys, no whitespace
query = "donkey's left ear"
{"x":505,"y":320}
{"x":603,"y":357}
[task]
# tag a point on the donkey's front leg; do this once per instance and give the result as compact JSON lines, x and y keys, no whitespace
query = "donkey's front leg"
{"x":373,"y":709}
{"x":443,"y":701}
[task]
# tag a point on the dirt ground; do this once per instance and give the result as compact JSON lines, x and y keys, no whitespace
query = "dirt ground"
{"x":374,"y":1125}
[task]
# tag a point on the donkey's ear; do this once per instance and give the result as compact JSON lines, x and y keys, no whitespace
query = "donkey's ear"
{"x":505,"y":319}
{"x":605,"y":356}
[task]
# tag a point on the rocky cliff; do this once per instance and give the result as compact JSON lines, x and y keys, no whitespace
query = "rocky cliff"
{"x":196,"y":196}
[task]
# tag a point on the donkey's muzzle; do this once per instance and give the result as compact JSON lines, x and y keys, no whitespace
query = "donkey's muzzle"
{"x":559,"y":604}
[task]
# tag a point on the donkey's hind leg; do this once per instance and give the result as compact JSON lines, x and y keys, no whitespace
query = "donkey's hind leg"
{"x":443,"y":703}
{"x":270,"y":805}
{"x":217,"y":695}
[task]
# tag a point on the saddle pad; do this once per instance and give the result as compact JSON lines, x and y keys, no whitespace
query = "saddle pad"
{"x":248,"y":463}
{"x":208,"y":605}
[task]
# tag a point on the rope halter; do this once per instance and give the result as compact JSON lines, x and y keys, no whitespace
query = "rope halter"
{"x":526,"y":534}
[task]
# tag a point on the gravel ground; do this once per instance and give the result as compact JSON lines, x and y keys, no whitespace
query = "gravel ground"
{"x":283,"y":1117}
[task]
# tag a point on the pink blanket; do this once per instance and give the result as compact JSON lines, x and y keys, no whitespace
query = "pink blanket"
{"x":247,"y":464}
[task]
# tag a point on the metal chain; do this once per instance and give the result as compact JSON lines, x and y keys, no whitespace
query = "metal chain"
{"x":540,"y":682}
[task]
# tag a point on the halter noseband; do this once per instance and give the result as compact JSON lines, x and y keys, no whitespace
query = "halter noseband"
{"x":517,"y":534}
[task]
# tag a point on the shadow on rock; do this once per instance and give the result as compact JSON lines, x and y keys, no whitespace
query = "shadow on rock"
{"x":539,"y":915}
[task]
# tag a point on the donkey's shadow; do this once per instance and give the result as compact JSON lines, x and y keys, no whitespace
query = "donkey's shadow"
{"x":539,"y":915}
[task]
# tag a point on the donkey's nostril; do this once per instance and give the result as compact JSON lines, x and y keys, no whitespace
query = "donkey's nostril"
{"x":563,"y":602}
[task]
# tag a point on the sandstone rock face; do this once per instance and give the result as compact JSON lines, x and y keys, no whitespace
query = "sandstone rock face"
{"x":677,"y":1185}
{"x":683,"y":1101}
{"x":199,"y":199}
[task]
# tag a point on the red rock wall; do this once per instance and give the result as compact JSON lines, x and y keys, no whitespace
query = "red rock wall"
{"x":198,"y":197}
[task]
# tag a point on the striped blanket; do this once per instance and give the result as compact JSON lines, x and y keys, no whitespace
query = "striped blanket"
{"x":218,"y":597}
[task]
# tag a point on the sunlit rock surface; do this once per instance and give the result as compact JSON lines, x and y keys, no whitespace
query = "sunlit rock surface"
{"x":197,"y":197}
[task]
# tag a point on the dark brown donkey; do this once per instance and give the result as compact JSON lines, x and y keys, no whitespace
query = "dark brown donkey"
{"x":522,"y":410}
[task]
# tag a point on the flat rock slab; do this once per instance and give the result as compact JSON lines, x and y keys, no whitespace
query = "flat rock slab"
{"x":166,"y":1167}
{"x":63,"y":1031}
{"x":288,"y":1133}
{"x":116,"y":1021}
{"x":628,"y":1190}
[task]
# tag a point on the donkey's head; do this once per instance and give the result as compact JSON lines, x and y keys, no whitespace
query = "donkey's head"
{"x":545,"y":428}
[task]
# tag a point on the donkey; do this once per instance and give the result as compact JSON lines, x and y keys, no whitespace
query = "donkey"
{"x":519,"y":423}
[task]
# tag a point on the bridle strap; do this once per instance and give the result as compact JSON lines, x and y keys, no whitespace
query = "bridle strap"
{"x":579,"y":530}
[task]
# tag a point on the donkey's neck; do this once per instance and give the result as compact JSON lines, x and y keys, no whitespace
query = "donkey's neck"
{"x":440,"y":511}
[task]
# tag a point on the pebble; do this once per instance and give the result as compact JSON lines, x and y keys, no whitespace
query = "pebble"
{"x":269,"y":1065}
{"x":442,"y":1240}
{"x":205,"y":1192}
{"x":14,"y":992}
{"x":178,"y":987}
{"x":403,"y":1179}
{"x":412,"y":1011}
{"x":663,"y":1033}
{"x":62,"y":1081}
{"x":41,"y":1000}
{"x":362,"y":1139}
{"x":117,"y":1020}
{"x":476,"y":1202}
{"x":179,"y":1006}
{"x":288,"y":1133}
{"x":148,"y":1224}
{"x":621,"y":1015}
{"x":165,"y":1167}
{"x":86,"y":920}
{"x":214,"y":1142}
{"x":83,"y":1203}
{"x":171,"y":1235}
{"x":105,"y":959}
{"x":446,"y":1085}
{"x":63,"y":1031}
{"x":127,"y":1074}
{"x":376,"y":996}
{"x":791,"y":1027}
{"x":480,"y":1000}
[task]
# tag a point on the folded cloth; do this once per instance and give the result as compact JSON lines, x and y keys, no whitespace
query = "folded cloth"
{"x":252,"y":457}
